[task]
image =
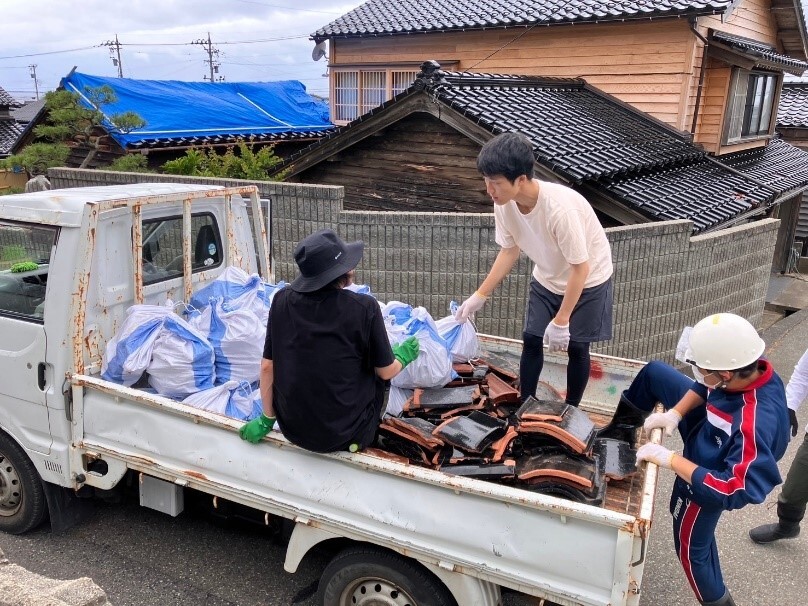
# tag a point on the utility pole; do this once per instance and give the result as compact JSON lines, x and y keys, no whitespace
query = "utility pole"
{"x":33,"y":75}
{"x":213,"y":64}
{"x":115,"y":54}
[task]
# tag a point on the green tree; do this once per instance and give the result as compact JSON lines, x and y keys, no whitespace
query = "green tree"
{"x":246,"y":164}
{"x":69,"y":121}
{"x":130,"y":163}
{"x":37,"y":158}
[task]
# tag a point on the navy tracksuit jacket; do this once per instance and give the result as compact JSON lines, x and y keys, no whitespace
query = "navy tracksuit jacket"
{"x":736,"y":439}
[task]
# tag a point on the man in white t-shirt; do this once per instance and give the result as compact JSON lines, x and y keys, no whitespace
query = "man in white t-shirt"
{"x":570,"y":303}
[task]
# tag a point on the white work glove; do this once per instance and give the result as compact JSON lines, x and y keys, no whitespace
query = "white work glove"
{"x":655,"y":453}
{"x":470,"y":306}
{"x":668,"y":420}
{"x":557,"y":338}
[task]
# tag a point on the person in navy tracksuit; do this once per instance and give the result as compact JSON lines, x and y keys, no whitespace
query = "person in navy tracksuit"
{"x":735,"y":426}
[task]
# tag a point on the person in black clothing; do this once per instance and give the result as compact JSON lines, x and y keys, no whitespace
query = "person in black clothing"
{"x":326,"y":355}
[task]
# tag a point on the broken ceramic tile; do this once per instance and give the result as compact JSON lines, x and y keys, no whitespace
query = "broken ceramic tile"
{"x":445,"y":397}
{"x":500,"y":392}
{"x":576,"y":429}
{"x":615,"y":458}
{"x":473,"y":433}
{"x":485,"y":471}
{"x":534,"y":409}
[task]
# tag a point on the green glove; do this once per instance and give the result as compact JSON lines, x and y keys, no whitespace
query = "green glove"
{"x":256,"y":429}
{"x":406,"y":351}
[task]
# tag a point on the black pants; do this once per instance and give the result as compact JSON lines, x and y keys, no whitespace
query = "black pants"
{"x":532,"y":362}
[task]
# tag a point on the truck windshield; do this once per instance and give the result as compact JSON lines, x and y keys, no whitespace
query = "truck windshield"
{"x":25,"y":254}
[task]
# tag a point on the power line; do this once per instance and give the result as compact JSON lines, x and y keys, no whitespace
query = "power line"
{"x":289,"y":8}
{"x":58,"y":52}
{"x":83,"y":48}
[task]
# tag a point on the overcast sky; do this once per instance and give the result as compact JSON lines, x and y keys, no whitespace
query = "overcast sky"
{"x":258,"y":40}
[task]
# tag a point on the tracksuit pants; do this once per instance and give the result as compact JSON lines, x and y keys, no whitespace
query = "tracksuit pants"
{"x":693,"y":525}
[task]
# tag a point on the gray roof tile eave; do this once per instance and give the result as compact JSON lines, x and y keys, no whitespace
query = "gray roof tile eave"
{"x":355,"y":27}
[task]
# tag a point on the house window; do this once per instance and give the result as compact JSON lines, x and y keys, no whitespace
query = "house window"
{"x":25,"y":255}
{"x":357,"y":91}
{"x":162,"y":247}
{"x":751,"y":105}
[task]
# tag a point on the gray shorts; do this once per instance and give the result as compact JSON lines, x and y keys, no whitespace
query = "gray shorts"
{"x":591,"y":319}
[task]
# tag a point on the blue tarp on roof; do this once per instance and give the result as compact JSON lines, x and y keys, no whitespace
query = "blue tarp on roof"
{"x":174,"y":109}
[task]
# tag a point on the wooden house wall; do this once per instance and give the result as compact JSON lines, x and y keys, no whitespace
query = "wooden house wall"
{"x":417,"y":164}
{"x":750,"y":19}
{"x":643,"y":63}
{"x":653,"y":65}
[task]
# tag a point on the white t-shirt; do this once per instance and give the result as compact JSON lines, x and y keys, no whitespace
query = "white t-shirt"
{"x":797,"y":388}
{"x":562,"y":229}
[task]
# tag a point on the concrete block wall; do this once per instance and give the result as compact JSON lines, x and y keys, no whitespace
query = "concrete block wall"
{"x":664,"y":278}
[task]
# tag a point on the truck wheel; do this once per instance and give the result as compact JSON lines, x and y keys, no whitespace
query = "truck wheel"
{"x":22,"y":499}
{"x":368,"y":576}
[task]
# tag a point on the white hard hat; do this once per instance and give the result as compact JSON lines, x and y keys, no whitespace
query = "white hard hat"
{"x":725,"y":342}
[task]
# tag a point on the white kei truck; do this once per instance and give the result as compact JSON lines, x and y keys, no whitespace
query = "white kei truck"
{"x":402,"y":534}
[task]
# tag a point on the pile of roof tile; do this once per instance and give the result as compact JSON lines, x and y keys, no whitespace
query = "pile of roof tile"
{"x":477,"y":427}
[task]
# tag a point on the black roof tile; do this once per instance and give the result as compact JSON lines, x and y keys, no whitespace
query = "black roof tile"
{"x":7,"y":100}
{"x":779,"y":165}
{"x":163,"y":142}
{"x":595,"y":140}
{"x":9,"y":133}
{"x":388,"y":17}
{"x":793,"y":108}
{"x":578,"y":131}
{"x":705,"y":193}
{"x":760,"y":50}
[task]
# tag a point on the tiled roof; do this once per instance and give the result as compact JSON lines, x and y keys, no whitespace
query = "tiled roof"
{"x":381,"y":17}
{"x":779,"y":165}
{"x":594,"y":140}
{"x":223,"y":140}
{"x":760,"y":50}
{"x":9,"y":132}
{"x":7,"y":100}
{"x":705,"y":193}
{"x":793,"y":108}
{"x":578,"y":131}
{"x":29,"y":111}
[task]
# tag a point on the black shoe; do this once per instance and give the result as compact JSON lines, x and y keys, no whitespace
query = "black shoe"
{"x":769,"y":533}
{"x":623,"y":426}
{"x":725,"y":600}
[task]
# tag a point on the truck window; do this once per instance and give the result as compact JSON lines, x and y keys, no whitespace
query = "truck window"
{"x":162,"y":247}
{"x":25,"y":253}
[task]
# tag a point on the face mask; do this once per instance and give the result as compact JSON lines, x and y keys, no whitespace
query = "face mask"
{"x":700,"y":377}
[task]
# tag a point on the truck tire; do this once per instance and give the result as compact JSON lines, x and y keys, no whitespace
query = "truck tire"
{"x":370,"y":576}
{"x":22,"y":498}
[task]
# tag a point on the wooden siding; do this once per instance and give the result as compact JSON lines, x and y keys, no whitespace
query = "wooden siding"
{"x":713,"y":105}
{"x":652,"y":65}
{"x":647,"y":64}
{"x":750,"y":19}
{"x":417,"y":164}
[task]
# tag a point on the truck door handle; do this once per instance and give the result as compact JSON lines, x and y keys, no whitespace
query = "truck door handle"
{"x":40,"y":376}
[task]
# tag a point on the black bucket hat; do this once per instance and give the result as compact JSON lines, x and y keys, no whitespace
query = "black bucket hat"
{"x":323,"y":257}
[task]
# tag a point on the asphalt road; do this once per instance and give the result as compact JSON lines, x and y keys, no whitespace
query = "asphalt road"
{"x":144,"y":558}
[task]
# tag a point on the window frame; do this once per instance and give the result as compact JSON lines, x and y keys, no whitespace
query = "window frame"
{"x":195,"y":269}
{"x":740,"y":113}
{"x":363,"y":76}
{"x":55,"y":230}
